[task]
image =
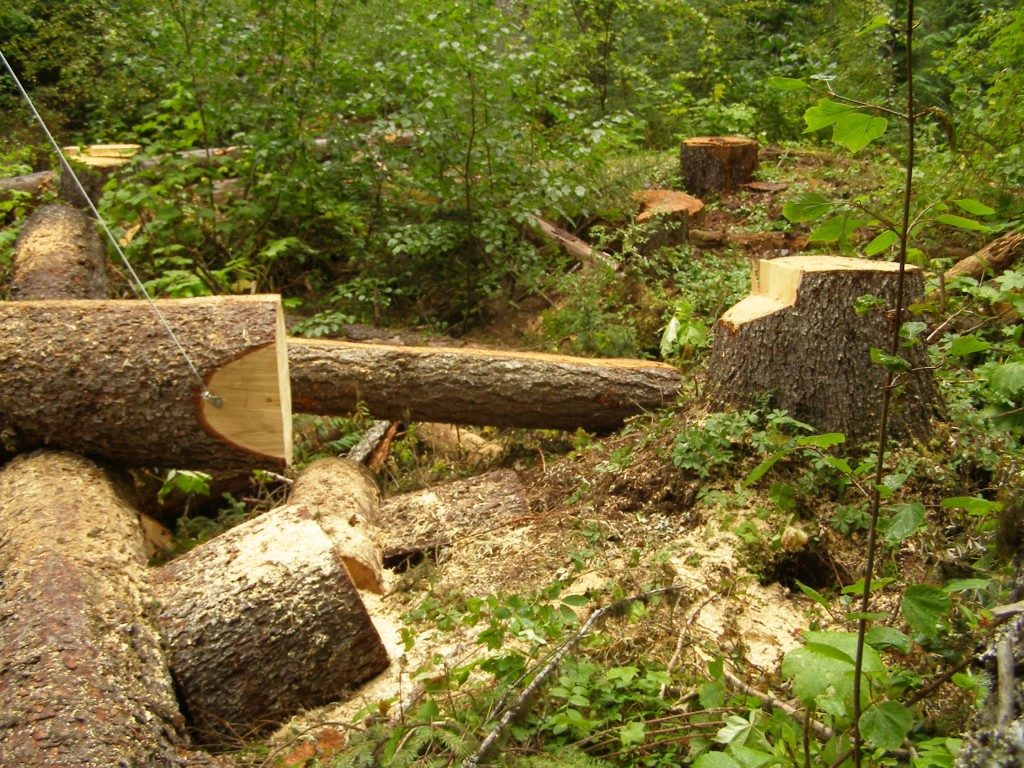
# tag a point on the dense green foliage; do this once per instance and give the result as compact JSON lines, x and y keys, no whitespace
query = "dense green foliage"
{"x":389,"y":165}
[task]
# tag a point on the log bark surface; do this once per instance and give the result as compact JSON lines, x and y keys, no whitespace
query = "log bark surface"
{"x":474,"y":386}
{"x":799,"y":338}
{"x":713,"y":164}
{"x":579,"y":249}
{"x":104,"y":378}
{"x":264,"y":619}
{"x":58,"y":255}
{"x":83,"y":681}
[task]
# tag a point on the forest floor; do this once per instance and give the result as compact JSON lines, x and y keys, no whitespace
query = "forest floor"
{"x":614,"y":516}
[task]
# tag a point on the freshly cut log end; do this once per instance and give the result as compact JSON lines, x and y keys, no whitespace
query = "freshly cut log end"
{"x":798,"y":337}
{"x":712,"y":164}
{"x":475,"y":386}
{"x":105,"y":378}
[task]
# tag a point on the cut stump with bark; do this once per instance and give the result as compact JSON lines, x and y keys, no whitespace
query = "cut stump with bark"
{"x":265,"y":620}
{"x":104,"y":378}
{"x":798,"y":337}
{"x":669,"y":215}
{"x":83,"y":680}
{"x":58,"y":255}
{"x":715,"y":164}
{"x":475,"y":386}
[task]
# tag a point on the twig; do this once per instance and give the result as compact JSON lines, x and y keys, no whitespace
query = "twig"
{"x":690,"y":618}
{"x":821,"y":730}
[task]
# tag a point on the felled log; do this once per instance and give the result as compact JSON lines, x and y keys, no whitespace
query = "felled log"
{"x":83,"y":681}
{"x":29,"y":183}
{"x":58,"y":255}
{"x":105,"y":378}
{"x":265,"y":619}
{"x":713,"y":164}
{"x":993,"y":259}
{"x":475,"y":386}
{"x":798,"y":338}
{"x":579,"y":249}
{"x":442,"y":515}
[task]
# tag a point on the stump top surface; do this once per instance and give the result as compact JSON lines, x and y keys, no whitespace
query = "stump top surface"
{"x":705,"y":141}
{"x":828,"y":263}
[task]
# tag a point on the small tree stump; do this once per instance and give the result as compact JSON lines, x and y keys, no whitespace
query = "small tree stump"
{"x":798,"y":337}
{"x":669,"y":215}
{"x":712,"y":164}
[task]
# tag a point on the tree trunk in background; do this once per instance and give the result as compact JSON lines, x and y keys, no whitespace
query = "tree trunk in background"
{"x":798,"y":338}
{"x":475,"y":386}
{"x":58,"y":256}
{"x":264,"y":620}
{"x":105,"y":378}
{"x":83,"y":680}
{"x":714,"y":164}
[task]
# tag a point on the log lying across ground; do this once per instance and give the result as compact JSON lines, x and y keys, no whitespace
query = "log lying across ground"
{"x":105,"y":378}
{"x":83,"y":680}
{"x":475,"y":386}
{"x":799,"y":338}
{"x":59,"y":256}
{"x":264,"y":619}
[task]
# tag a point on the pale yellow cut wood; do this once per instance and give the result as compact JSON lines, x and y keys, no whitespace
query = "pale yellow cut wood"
{"x":251,"y":404}
{"x":775,"y":283}
{"x":102,"y":155}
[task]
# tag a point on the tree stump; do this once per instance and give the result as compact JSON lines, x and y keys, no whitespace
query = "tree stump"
{"x":668,"y":214}
{"x":714,"y":164}
{"x":798,"y":338}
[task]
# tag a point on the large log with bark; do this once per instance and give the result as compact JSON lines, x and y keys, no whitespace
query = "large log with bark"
{"x":475,"y":386}
{"x":799,"y":338}
{"x":83,"y":681}
{"x":265,"y":619}
{"x":106,"y":379}
{"x":58,"y":255}
{"x":713,"y":164}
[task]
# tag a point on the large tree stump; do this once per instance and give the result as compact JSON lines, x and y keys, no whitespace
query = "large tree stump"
{"x":714,"y":164}
{"x":82,"y":681}
{"x":475,"y":386}
{"x":105,"y":378}
{"x":59,"y":256}
{"x":798,"y":338}
{"x":264,"y":619}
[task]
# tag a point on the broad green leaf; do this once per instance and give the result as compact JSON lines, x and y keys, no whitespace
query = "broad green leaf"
{"x":715,"y":760}
{"x":967,"y":345}
{"x":750,"y":757}
{"x":834,"y":230}
{"x":806,"y":207}
{"x":973,"y":207}
{"x":882,"y":637}
{"x":878,"y":22}
{"x":670,"y":336}
{"x":886,"y":726}
{"x":922,"y":605}
{"x":736,"y":729}
{"x":966,"y":585}
{"x":906,"y":520}
{"x":1008,"y":379}
{"x":815,"y":670}
{"x":823,"y":441}
{"x":857,"y":588}
{"x":759,"y":471}
{"x":857,"y":130}
{"x":961,"y":223}
{"x":881,"y":242}
{"x":576,"y":601}
{"x":824,"y":114}
{"x":787,"y":84}
{"x":857,"y":616}
{"x":812,"y":593}
{"x":829,"y":652}
{"x":894,"y":363}
{"x":632,"y":733}
{"x":973,"y":504}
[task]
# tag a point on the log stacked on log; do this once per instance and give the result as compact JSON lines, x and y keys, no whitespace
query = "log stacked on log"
{"x":265,"y":619}
{"x":714,"y":164}
{"x":105,"y":378}
{"x":59,"y":256}
{"x":475,"y":386}
{"x":798,"y":337}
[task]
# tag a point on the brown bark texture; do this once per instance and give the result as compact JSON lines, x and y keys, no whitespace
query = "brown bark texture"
{"x":713,"y":164}
{"x":442,"y":515}
{"x":475,"y":386}
{"x":579,"y":249}
{"x":58,"y":255}
{"x":813,"y":355}
{"x":668,"y":215}
{"x":30,"y":184}
{"x":993,"y":259}
{"x":104,"y":378}
{"x":264,"y":619}
{"x":82,"y":678}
